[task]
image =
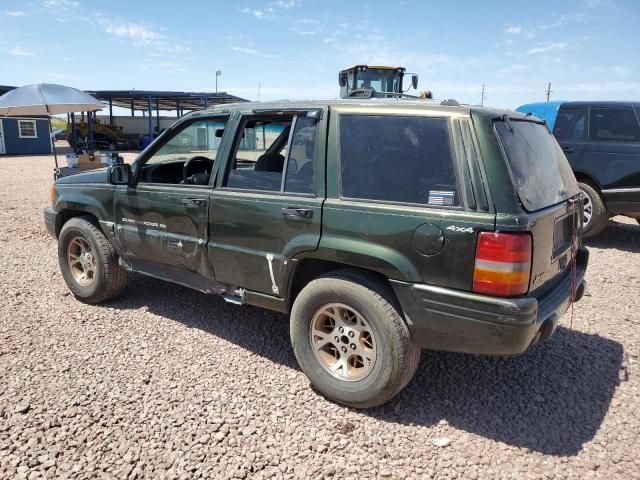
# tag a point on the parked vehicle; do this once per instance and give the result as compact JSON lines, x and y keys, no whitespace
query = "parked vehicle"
{"x":59,"y":134}
{"x":602,"y":143}
{"x":381,"y":228}
{"x":102,"y":141}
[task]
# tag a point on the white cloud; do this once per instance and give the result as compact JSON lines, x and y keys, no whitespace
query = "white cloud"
{"x":16,"y":13}
{"x":513,"y":30}
{"x":20,"y":52}
{"x":518,"y":67}
{"x":286,"y":3}
{"x":547,"y":47}
{"x":60,"y":4}
{"x":247,"y":51}
{"x":621,"y":70}
{"x":259,"y":14}
{"x":141,"y":35}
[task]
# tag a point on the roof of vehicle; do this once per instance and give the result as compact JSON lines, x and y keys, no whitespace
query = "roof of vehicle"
{"x":379,"y":67}
{"x":381,"y":104}
{"x":548,"y":111}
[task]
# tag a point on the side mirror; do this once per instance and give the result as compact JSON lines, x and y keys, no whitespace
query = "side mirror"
{"x":119,"y":174}
{"x":342,"y":79}
{"x":414,"y":81}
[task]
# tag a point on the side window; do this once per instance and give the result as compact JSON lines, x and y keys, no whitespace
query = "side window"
{"x":200,"y":138}
{"x":300,"y":176}
{"x":188,"y":155}
{"x":614,"y":125}
{"x":397,"y":159}
{"x":274,"y":155}
{"x":571,"y":124}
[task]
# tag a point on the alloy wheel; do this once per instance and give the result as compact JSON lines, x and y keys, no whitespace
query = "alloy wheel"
{"x":343,"y":342}
{"x":82,"y":261}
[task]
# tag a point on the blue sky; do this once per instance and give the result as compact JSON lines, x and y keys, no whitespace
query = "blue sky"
{"x":588,"y":49}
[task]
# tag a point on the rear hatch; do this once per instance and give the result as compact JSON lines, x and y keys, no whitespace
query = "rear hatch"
{"x":548,"y":192}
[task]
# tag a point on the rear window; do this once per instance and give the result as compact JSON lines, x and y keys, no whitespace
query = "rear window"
{"x":540,"y":171}
{"x":397,"y":159}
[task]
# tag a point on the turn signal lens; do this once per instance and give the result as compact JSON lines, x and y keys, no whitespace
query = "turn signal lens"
{"x":503,"y":264}
{"x":53,"y":194}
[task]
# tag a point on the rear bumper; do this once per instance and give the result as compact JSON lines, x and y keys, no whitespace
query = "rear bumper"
{"x":445,"y":319}
{"x":50,"y":221}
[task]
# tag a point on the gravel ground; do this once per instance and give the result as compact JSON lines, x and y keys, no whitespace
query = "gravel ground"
{"x":167,"y":382}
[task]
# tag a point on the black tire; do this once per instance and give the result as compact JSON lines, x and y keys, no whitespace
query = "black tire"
{"x":599,"y":216}
{"x":396,"y":356}
{"x":109,"y":279}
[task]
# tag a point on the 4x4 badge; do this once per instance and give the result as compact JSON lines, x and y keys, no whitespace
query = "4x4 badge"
{"x":453,"y":228}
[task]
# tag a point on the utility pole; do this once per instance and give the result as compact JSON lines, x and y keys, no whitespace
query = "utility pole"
{"x":258,"y":91}
{"x":549,"y":91}
{"x":482,"y":98}
{"x":218,"y":74}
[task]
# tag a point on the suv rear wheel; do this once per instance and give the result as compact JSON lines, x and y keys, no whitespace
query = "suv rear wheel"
{"x":595,"y":216}
{"x":88,"y":262}
{"x":351,"y":341}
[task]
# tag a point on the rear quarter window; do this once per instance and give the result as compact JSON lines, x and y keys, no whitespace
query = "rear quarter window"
{"x":404,"y":159}
{"x":540,"y":171}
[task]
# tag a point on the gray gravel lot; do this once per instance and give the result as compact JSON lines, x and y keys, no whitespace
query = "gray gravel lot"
{"x":167,"y":382}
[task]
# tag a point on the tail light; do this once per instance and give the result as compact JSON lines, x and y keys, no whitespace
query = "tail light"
{"x":503,"y":264}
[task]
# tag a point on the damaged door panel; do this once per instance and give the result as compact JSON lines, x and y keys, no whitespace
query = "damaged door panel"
{"x":164,"y":227}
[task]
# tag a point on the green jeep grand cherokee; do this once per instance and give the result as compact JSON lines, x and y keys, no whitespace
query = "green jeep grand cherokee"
{"x":381,"y":226}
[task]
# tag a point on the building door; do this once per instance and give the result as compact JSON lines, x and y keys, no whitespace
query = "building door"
{"x":2,"y":149}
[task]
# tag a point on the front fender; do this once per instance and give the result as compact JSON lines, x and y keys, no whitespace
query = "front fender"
{"x":96,"y":201}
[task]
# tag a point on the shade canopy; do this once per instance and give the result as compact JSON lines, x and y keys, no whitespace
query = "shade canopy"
{"x":47,"y":99}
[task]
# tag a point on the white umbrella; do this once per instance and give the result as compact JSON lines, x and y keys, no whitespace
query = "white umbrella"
{"x":47,"y":99}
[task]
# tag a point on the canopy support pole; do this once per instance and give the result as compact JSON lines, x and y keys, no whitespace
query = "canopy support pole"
{"x":74,"y":133}
{"x":56,"y":171}
{"x":150,"y":118}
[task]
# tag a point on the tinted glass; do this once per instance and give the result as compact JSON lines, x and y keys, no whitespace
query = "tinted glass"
{"x":198,"y":139}
{"x":259,"y":160}
{"x":398,"y":159}
{"x":571,"y":124}
{"x":301,"y":163}
{"x":614,"y":125}
{"x":540,"y":170}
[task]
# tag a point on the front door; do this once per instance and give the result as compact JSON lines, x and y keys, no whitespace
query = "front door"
{"x":2,"y":148}
{"x":162,"y":220}
{"x":267,"y":204}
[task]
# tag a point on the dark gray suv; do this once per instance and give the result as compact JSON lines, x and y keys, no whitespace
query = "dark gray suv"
{"x":601,"y":140}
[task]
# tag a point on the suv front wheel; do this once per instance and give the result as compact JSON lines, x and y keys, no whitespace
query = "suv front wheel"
{"x":595,"y":217}
{"x":88,"y":262}
{"x":351,"y":341}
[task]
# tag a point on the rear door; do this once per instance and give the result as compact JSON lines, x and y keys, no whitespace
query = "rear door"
{"x":570,"y":129}
{"x":267,"y":205}
{"x":613,"y":152}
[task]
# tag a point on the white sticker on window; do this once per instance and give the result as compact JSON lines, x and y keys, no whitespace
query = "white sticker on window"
{"x":441,"y":197}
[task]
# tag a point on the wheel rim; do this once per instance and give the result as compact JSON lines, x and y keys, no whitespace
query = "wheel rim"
{"x":343,"y":342}
{"x":587,"y":208}
{"x":82,"y":261}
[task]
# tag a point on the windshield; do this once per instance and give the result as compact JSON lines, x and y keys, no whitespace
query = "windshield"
{"x":540,"y":171}
{"x":379,"y":80}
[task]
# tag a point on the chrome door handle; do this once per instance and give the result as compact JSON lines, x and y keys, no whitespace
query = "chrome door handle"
{"x":297,"y":212}
{"x":192,"y":202}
